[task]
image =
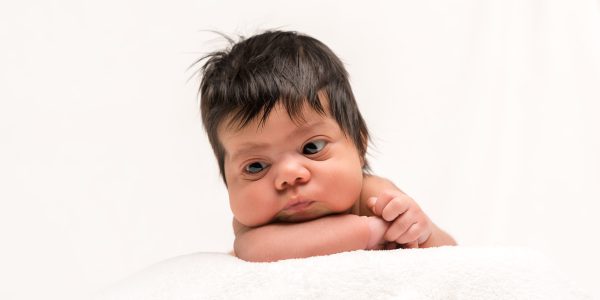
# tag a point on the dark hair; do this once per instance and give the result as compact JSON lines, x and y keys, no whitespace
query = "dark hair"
{"x":246,"y":81}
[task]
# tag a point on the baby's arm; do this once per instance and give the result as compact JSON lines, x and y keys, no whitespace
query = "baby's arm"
{"x":326,"y":235}
{"x":410,"y":227}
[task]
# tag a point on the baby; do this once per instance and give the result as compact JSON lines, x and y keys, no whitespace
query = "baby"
{"x":291,"y":144}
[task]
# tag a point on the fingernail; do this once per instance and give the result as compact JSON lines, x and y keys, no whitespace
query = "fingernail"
{"x":371,"y":202}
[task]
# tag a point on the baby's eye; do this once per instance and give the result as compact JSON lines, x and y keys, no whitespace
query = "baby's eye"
{"x":255,"y":167}
{"x":313,"y":147}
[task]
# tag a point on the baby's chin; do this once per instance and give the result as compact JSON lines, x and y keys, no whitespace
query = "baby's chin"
{"x":297,"y":218}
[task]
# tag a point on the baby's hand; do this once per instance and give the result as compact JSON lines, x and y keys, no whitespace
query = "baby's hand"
{"x":411,"y":226}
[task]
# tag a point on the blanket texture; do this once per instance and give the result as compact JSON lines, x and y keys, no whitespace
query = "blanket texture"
{"x":433,"y":273}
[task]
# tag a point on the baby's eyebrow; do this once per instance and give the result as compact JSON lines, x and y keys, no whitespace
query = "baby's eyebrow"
{"x":249,"y":147}
{"x":305,"y":127}
{"x":252,"y":147}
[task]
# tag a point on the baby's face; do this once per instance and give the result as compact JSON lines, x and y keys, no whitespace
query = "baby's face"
{"x":283,"y":171}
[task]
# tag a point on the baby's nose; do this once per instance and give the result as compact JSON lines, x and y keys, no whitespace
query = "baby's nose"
{"x":291,"y":172}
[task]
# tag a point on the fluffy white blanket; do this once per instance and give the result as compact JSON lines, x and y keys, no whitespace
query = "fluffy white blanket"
{"x":434,"y":273}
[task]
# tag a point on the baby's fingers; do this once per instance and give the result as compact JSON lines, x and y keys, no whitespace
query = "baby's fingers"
{"x":377,"y":204}
{"x":412,"y":245}
{"x":398,"y":228}
{"x":395,"y":207}
{"x":414,"y":234}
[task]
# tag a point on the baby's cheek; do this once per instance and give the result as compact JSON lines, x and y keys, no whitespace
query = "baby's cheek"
{"x":344,"y":185}
{"x":251,"y":207}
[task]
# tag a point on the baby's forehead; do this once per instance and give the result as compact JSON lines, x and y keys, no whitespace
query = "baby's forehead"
{"x":256,"y":113}
{"x":301,"y":118}
{"x":279,"y":126}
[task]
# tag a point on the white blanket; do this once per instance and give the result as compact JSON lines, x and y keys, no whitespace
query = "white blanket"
{"x":434,"y":273}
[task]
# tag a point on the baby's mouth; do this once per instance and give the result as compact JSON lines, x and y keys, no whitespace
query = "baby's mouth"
{"x":298,"y":206}
{"x":300,"y":211}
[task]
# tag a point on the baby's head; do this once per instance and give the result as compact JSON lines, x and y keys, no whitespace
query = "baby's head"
{"x":285,"y":128}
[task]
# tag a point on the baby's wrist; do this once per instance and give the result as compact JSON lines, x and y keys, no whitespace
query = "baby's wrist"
{"x":377,"y":228}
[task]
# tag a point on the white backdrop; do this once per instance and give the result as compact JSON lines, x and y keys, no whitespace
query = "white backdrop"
{"x":486,"y":112}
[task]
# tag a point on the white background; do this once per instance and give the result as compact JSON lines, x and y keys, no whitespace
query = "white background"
{"x":486,"y":112}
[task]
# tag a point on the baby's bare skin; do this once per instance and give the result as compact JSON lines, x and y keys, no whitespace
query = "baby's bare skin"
{"x":291,"y":203}
{"x":291,"y":142}
{"x":359,"y":229}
